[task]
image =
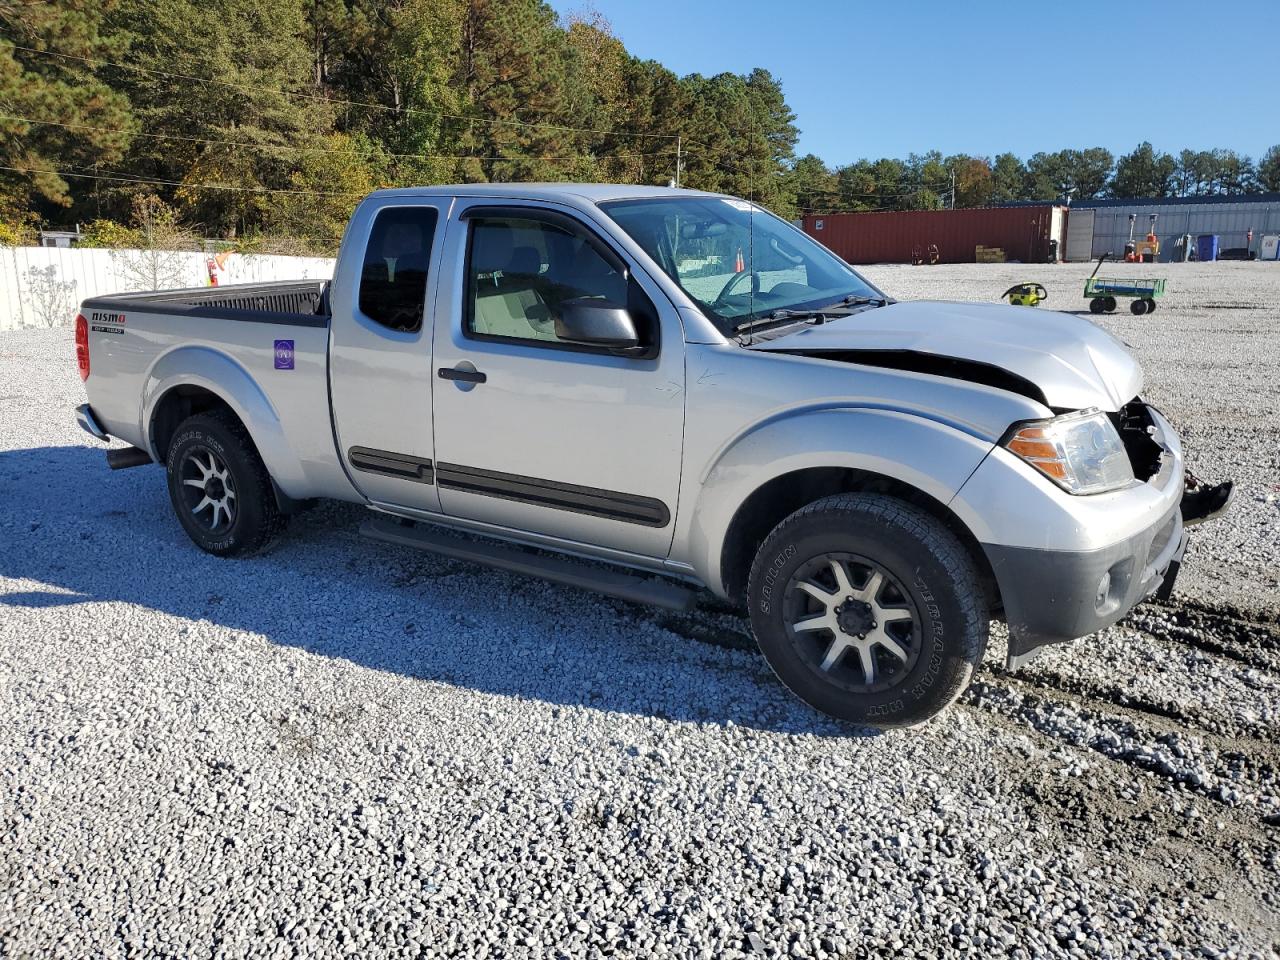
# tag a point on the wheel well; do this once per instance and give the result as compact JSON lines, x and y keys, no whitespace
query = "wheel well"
{"x":178,"y":404}
{"x":779,"y":498}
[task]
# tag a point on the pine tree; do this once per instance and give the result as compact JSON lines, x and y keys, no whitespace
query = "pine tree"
{"x":514,"y":68}
{"x":1269,"y":170}
{"x":44,"y":86}
{"x":1143,"y":173}
{"x":255,"y":75}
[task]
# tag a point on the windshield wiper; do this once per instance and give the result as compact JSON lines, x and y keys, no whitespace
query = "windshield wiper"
{"x":783,"y":315}
{"x":858,"y":299}
{"x":815,"y":315}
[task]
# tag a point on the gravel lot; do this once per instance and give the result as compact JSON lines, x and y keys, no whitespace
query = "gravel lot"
{"x":342,"y":749}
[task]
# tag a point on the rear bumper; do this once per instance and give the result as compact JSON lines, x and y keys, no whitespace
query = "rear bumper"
{"x":89,"y":423}
{"x":1052,"y":596}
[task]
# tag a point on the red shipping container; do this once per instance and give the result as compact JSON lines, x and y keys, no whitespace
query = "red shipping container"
{"x":899,"y":236}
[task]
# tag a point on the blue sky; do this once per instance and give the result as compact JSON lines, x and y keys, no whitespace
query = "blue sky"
{"x":889,"y":78}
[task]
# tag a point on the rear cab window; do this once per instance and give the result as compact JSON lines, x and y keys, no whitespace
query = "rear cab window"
{"x":393,"y":278}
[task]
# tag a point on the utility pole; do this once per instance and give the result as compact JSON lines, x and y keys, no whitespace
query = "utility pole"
{"x":678,"y":147}
{"x":953,"y":188}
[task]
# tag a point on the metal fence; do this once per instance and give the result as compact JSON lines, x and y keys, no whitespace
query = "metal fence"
{"x":1230,"y":219}
{"x":41,"y":286}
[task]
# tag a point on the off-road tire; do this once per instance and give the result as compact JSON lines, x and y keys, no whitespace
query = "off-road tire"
{"x":934,"y":569}
{"x":257,"y":521}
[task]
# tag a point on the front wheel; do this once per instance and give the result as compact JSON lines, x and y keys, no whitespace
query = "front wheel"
{"x":868,"y":609}
{"x":219,"y":487}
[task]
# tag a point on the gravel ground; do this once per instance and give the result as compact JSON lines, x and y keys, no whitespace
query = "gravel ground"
{"x":342,"y":749}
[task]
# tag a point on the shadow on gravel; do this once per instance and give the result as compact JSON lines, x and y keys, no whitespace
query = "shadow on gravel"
{"x":42,"y":598}
{"x":76,"y":526}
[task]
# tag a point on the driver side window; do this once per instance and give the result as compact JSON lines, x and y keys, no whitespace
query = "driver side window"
{"x":520,"y":272}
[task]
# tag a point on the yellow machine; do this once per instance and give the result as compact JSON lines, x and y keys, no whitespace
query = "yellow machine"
{"x":1025,"y":294}
{"x":1142,"y":251}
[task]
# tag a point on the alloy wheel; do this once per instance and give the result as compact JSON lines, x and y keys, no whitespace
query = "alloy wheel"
{"x":208,"y":489}
{"x":852,"y":621}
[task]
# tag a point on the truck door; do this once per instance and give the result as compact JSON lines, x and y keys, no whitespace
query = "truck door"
{"x":537,"y":435}
{"x":380,"y":349}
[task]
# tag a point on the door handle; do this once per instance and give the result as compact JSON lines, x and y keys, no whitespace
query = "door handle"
{"x":458,"y":373}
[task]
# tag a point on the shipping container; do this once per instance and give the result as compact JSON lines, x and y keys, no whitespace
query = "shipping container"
{"x":905,"y":236}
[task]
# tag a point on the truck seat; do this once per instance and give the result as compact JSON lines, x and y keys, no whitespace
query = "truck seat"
{"x":507,"y":301}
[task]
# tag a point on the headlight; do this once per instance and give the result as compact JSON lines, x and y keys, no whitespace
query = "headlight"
{"x":1081,"y":452}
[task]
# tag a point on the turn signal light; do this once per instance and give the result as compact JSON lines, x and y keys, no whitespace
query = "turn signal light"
{"x":1032,"y":445}
{"x":82,"y":346}
{"x":1081,"y":451}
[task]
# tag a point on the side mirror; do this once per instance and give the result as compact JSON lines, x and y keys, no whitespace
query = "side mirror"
{"x":596,"y":323}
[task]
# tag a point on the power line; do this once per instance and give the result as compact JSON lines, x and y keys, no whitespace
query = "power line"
{"x":120,"y":178}
{"x":349,"y":153}
{"x":346,"y":103}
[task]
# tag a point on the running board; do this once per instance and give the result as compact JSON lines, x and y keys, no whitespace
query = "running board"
{"x":614,"y":583}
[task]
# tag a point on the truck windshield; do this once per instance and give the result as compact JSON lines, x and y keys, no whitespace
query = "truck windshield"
{"x":738,"y":262}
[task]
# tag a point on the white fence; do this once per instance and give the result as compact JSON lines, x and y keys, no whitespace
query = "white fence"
{"x":42,"y":286}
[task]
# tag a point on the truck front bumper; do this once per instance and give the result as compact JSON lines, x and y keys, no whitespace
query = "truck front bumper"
{"x":1051,"y":596}
{"x":1067,"y":566}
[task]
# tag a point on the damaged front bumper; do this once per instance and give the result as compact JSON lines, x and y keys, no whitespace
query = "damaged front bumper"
{"x":1052,"y":596}
{"x":1068,"y":566}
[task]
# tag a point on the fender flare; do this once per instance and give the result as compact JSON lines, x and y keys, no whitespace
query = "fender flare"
{"x":215,"y":371}
{"x":926,"y":454}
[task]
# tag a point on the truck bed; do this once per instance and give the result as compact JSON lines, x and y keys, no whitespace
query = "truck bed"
{"x":262,"y":348}
{"x":246,"y":301}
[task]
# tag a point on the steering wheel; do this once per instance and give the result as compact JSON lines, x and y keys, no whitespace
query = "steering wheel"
{"x":755,"y":284}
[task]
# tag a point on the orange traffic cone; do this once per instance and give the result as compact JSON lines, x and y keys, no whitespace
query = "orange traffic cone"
{"x":738,"y":265}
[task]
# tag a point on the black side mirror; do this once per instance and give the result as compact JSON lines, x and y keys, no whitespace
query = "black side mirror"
{"x":596,"y":323}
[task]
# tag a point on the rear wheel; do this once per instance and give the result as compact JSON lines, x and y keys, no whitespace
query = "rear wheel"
{"x":219,"y":487}
{"x":868,"y":609}
{"x":1151,"y":305}
{"x":1097,"y":305}
{"x":1109,"y":303}
{"x":1138,"y":307}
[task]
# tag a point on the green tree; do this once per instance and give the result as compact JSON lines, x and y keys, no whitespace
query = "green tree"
{"x":1232,"y":173}
{"x":399,"y":56}
{"x":255,"y":72}
{"x":1143,"y":173}
{"x":1269,"y":170}
{"x":1078,"y":174}
{"x":746,"y":137}
{"x":1008,"y":179}
{"x":1193,"y":173}
{"x":973,"y":180}
{"x":516,"y":69}
{"x":59,"y":90}
{"x":813,"y":185}
{"x":856,"y":186}
{"x":927,"y":183}
{"x":328,"y":185}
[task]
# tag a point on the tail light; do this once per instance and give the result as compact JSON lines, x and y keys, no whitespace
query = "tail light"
{"x":82,"y":346}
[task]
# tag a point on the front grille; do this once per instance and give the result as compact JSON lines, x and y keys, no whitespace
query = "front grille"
{"x":1134,"y":424}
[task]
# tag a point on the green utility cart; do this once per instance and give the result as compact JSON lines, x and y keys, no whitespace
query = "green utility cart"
{"x":1102,"y":292}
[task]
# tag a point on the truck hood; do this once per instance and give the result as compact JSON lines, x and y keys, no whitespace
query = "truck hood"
{"x":1065,"y":361}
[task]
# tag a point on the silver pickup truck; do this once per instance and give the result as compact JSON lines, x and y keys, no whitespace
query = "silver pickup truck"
{"x":686,"y":390}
